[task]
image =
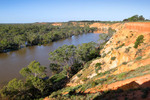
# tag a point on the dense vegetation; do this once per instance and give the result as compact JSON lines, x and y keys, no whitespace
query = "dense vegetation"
{"x":15,"y":36}
{"x":136,"y":18}
{"x":65,"y":62}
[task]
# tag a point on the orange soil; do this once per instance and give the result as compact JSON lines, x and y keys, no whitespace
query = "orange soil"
{"x":138,"y":26}
{"x":57,"y":24}
{"x":125,"y":85}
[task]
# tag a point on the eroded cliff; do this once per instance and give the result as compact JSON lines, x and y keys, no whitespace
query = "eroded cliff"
{"x":121,"y":65}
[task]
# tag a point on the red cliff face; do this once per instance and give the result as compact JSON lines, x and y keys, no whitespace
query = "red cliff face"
{"x":138,"y":26}
{"x":126,"y":35}
{"x":127,"y":61}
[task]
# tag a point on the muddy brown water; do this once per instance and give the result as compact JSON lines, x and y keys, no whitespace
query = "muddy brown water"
{"x":12,"y":62}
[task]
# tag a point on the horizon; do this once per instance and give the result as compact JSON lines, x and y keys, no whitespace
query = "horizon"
{"x":48,"y":11}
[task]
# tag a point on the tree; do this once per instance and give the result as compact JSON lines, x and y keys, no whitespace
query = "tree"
{"x":33,"y":85}
{"x":87,"y":51}
{"x":15,"y":89}
{"x":135,"y":18}
{"x":33,"y":69}
{"x":65,"y":55}
{"x":141,"y":18}
{"x":138,"y":41}
{"x":55,"y":68}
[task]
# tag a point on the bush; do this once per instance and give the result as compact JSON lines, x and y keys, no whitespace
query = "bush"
{"x":120,"y":46}
{"x":84,"y":79}
{"x":127,"y":50}
{"x":138,"y":58}
{"x":98,"y":64}
{"x":97,"y":67}
{"x":109,"y":52}
{"x":139,"y":40}
{"x":103,"y":55}
{"x":121,"y":76}
{"x":124,"y":63}
{"x":113,"y":58}
{"x":79,"y":75}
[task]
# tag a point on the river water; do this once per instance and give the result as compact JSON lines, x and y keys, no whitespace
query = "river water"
{"x":12,"y":62}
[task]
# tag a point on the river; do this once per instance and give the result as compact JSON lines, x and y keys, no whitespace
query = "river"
{"x":12,"y":62}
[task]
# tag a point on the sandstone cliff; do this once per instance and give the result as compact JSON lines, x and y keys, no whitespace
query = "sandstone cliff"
{"x":122,"y":66}
{"x":121,"y":47}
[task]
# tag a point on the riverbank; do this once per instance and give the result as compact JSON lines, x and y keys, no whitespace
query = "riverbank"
{"x":12,"y":62}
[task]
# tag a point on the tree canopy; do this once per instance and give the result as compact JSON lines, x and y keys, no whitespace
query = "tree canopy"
{"x":15,"y":36}
{"x":135,"y":18}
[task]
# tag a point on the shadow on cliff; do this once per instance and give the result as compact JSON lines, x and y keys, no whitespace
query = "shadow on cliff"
{"x":130,"y":91}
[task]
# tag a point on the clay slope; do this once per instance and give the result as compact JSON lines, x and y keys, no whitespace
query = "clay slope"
{"x":121,"y":48}
{"x":124,"y":70}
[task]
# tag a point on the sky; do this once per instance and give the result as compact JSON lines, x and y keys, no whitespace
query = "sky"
{"x":30,"y":11}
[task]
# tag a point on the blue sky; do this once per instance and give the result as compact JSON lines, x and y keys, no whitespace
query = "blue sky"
{"x":28,"y":11}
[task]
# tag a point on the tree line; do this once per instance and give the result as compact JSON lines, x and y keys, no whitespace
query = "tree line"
{"x":135,"y":18}
{"x":15,"y":36}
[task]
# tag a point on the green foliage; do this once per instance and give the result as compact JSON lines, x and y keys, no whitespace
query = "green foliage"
{"x":34,"y":75}
{"x":57,"y":78}
{"x":135,"y":18}
{"x":87,"y":64}
{"x":124,"y":63}
{"x":121,"y":75}
{"x":127,"y":49}
{"x":97,"y":67}
{"x":13,"y":88}
{"x":120,"y":46}
{"x":78,"y":75}
{"x":111,"y":31}
{"x":103,"y":37}
{"x":73,"y":57}
{"x":104,"y":54}
{"x":87,"y":51}
{"x":33,"y":69}
{"x":15,"y":36}
{"x":85,"y":79}
{"x":55,"y":68}
{"x":64,"y":54}
{"x":113,"y":58}
{"x":139,"y":40}
{"x":138,"y":58}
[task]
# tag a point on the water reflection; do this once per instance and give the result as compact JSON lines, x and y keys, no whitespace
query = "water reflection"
{"x":12,"y":62}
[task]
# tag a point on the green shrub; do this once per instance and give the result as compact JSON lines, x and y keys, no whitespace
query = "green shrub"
{"x":109,"y":52}
{"x":87,"y":64}
{"x":84,"y":79}
{"x":121,"y":76}
{"x":104,"y":55}
{"x":79,"y":75}
{"x":138,"y":58}
{"x":124,"y":63}
{"x":93,"y":84}
{"x":120,"y":46}
{"x":118,"y":42}
{"x":138,"y":41}
{"x":97,"y":67}
{"x":127,"y":50}
{"x":98,"y":64}
{"x":112,"y":49}
{"x":113,"y":58}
